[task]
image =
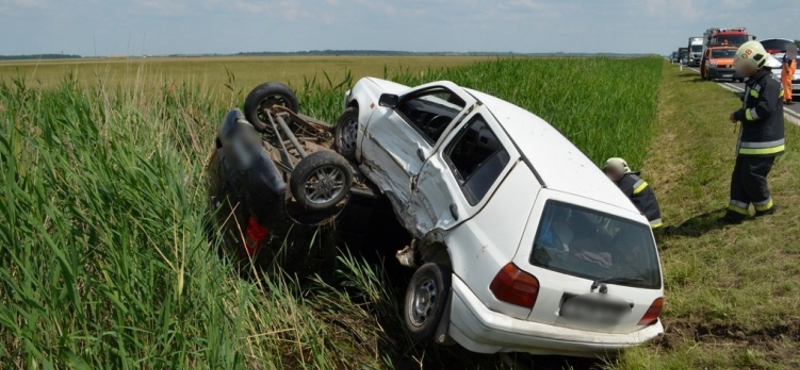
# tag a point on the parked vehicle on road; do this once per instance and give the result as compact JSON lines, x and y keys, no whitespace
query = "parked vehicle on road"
{"x":521,"y":243}
{"x":776,"y":46}
{"x":733,"y":37}
{"x":683,"y":53}
{"x":695,"y":51}
{"x":719,"y":64}
{"x":777,"y":70}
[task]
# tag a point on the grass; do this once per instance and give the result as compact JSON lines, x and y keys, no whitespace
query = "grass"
{"x":105,"y":264}
{"x":733,"y":292}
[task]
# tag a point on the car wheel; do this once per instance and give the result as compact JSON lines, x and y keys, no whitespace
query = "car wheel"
{"x":426,"y":298}
{"x":321,"y":180}
{"x":346,"y":134}
{"x":264,"y":97}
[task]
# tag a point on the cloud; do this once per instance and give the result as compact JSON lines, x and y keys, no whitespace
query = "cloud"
{"x":671,"y":8}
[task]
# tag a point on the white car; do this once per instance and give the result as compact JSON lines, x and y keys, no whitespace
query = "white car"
{"x":523,"y":244}
{"x":776,"y":65}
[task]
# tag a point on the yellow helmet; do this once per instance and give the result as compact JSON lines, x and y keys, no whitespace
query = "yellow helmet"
{"x":752,"y":54}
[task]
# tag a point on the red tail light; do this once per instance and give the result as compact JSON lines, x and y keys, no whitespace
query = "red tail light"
{"x":651,"y":316}
{"x":254,"y":237}
{"x":512,"y":285}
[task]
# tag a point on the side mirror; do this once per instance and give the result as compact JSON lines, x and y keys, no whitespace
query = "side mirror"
{"x":388,"y":100}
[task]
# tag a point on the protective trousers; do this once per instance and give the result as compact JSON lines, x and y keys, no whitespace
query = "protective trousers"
{"x":786,"y":78}
{"x":749,"y":185}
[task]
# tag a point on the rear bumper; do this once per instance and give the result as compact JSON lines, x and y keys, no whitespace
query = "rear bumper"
{"x":723,"y":73}
{"x":479,"y":329}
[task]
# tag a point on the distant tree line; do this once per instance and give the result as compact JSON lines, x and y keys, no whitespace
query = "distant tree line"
{"x":39,"y":56}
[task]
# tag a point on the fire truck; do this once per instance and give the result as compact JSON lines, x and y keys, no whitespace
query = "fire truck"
{"x":734,"y":37}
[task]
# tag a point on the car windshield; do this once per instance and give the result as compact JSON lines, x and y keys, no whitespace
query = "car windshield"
{"x":726,"y":53}
{"x":697,"y":48}
{"x":596,"y":246}
{"x":731,"y":40}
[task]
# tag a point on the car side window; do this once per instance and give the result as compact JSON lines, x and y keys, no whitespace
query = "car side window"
{"x":477,"y":158}
{"x":431,"y":111}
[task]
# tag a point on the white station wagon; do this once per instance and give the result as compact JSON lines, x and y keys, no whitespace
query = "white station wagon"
{"x":522,"y":243}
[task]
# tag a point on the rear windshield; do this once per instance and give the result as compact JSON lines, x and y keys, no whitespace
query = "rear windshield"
{"x":596,"y":246}
{"x":725,"y":53}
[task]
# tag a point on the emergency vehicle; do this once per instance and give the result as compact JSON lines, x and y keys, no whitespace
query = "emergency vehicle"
{"x":733,"y":37}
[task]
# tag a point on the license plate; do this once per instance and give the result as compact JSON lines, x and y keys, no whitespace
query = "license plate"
{"x":594,"y":308}
{"x":727,"y":76}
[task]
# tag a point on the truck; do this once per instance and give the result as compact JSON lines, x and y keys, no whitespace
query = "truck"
{"x":714,"y":36}
{"x":695,"y":51}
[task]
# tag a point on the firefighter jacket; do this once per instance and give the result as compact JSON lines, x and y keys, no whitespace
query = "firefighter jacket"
{"x":761,"y":116}
{"x":642,"y":196}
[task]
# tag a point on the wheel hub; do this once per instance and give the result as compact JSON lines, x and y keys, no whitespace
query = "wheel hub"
{"x":424,"y":302}
{"x":349,"y":134}
{"x":324,"y":185}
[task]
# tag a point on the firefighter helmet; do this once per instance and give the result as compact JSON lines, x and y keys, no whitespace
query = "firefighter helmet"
{"x":751,"y":54}
{"x":617,"y":163}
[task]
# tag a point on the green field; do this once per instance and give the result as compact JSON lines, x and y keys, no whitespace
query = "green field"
{"x":212,"y":73}
{"x":105,"y":264}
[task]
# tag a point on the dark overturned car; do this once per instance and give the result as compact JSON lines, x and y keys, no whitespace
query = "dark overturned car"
{"x":275,"y":183}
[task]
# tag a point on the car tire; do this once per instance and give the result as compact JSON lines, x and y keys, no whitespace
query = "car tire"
{"x":321,"y":180}
{"x":265,"y":96}
{"x":426,"y":300}
{"x":346,"y":133}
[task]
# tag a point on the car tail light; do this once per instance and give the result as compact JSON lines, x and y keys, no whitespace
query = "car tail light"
{"x":512,"y":285}
{"x":651,"y":316}
{"x":253,"y":237}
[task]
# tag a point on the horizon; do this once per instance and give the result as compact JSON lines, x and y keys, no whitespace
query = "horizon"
{"x":204,"y":27}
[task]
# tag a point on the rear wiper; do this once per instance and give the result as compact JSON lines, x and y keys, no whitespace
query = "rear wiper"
{"x":618,"y":280}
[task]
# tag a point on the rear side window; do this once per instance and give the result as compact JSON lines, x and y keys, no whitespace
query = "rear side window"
{"x":593,"y":245}
{"x":477,"y":159}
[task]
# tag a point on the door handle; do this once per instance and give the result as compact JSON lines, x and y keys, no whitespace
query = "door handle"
{"x":420,"y":154}
{"x":454,"y":211}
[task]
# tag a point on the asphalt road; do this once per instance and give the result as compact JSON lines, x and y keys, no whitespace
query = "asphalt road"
{"x":792,"y":112}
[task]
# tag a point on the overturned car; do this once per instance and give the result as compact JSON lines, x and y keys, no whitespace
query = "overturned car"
{"x":520,"y":243}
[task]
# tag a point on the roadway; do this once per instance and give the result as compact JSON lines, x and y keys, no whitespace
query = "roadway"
{"x":792,"y":112}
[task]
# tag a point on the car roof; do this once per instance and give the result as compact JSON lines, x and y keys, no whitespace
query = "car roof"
{"x":558,"y":163}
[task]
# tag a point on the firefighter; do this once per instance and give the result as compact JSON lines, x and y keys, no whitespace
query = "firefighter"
{"x":789,"y":68}
{"x":639,"y":192}
{"x":760,"y":135}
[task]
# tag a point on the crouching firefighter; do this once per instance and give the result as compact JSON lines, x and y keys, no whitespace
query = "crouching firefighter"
{"x":639,"y":192}
{"x":760,"y":136}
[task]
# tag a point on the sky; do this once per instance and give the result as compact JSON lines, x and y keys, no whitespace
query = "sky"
{"x":157,"y":27}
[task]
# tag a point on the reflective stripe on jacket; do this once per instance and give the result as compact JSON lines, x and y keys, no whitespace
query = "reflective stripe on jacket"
{"x":761,"y":116}
{"x":642,"y":196}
